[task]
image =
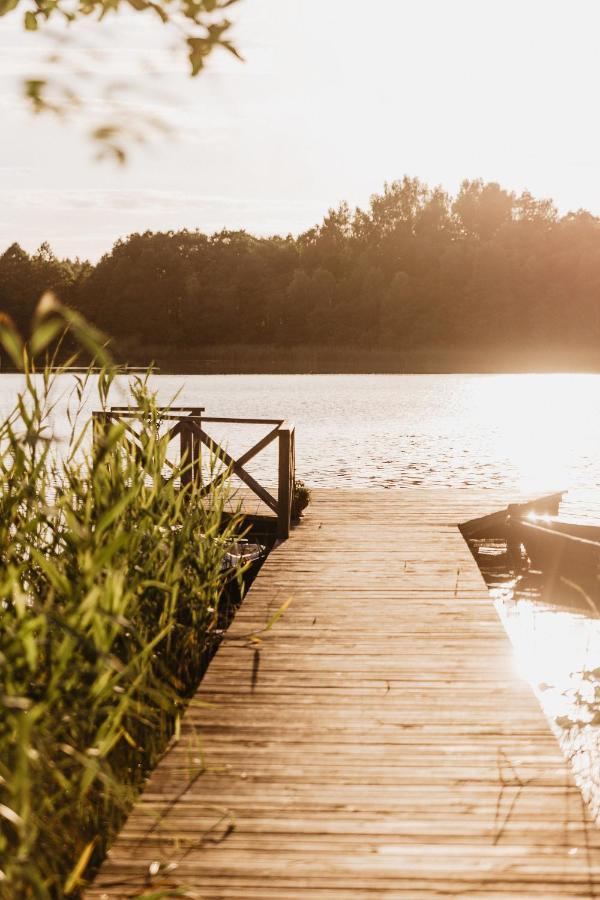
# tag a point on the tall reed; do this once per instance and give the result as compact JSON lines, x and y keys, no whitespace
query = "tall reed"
{"x":111,"y":580}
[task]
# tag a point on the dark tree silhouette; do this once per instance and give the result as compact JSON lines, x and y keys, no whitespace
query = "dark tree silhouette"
{"x":417,"y":269}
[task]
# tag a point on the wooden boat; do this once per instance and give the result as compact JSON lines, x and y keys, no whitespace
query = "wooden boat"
{"x":559,"y":547}
{"x":495,"y":525}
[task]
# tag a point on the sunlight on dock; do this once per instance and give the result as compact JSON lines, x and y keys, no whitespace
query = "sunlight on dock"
{"x":377,"y":741}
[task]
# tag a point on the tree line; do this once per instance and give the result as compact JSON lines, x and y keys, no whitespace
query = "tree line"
{"x":417,"y":268}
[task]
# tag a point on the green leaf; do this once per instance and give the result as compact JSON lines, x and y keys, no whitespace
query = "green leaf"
{"x":7,"y":6}
{"x":11,"y":340}
{"x":115,"y":511}
{"x":31,"y":23}
{"x":217,"y":30}
{"x":88,"y":336}
{"x":31,"y":650}
{"x":163,"y":16}
{"x":52,"y":573}
{"x":278,"y":614}
{"x":34,"y":92}
{"x":44,"y":335}
{"x":48,"y":305}
{"x":11,"y":816}
{"x":565,"y":722}
{"x":79,"y":867}
{"x":199,"y":50}
{"x":233,"y":50}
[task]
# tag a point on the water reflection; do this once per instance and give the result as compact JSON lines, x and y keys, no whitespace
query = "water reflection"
{"x":530,"y":432}
{"x":556,"y":639}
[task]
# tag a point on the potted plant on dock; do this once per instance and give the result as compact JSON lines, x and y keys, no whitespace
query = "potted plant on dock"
{"x":300,"y":499}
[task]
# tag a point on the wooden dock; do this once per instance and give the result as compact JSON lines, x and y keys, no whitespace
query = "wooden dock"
{"x":376,"y":742}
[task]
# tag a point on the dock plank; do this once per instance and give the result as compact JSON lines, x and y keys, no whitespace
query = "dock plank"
{"x":377,"y":742}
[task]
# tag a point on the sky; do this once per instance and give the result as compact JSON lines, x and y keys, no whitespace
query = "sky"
{"x":334,"y":98}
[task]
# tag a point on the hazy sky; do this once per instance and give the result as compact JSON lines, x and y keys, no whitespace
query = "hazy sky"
{"x":335,"y":97}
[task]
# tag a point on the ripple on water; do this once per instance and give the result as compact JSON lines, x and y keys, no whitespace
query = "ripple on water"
{"x":556,"y":641}
{"x":528,"y":431}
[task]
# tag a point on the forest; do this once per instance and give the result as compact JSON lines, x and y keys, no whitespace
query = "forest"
{"x":419,"y":281}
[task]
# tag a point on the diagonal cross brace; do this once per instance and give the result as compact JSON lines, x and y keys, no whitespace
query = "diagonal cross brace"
{"x":133,"y":441}
{"x":237,"y":465}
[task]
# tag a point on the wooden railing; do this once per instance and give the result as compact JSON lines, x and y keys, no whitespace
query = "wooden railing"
{"x":190,"y":427}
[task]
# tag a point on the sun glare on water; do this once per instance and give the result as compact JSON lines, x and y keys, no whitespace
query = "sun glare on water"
{"x":552,"y":647}
{"x":540,"y":422}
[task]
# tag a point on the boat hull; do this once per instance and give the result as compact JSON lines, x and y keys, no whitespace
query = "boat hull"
{"x":561,"y":549}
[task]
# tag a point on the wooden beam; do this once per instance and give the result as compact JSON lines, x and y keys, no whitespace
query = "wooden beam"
{"x":377,"y":742}
{"x":236,"y":468}
{"x":285,"y":482}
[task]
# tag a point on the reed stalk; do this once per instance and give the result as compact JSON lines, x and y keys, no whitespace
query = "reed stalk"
{"x":112,"y":581}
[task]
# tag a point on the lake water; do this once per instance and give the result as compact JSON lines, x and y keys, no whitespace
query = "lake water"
{"x":530,"y":432}
{"x":534,"y":432}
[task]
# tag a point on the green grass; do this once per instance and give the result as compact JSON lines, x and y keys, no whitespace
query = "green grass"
{"x":111,"y":593}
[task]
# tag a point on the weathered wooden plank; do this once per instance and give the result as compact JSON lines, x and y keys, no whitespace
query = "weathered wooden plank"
{"x":377,"y":742}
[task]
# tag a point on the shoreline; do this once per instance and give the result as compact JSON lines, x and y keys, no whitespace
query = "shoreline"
{"x":230,"y":359}
{"x":236,"y":359}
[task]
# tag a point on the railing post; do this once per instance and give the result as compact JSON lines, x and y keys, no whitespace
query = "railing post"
{"x":185,"y":453}
{"x":196,"y":446}
{"x":285,"y":483}
{"x":292,"y":465}
{"x":100,"y":422}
